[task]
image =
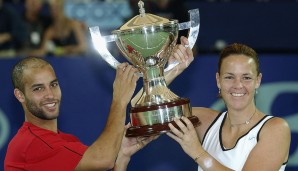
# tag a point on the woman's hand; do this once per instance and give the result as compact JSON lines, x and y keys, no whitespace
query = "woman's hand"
{"x":182,"y":54}
{"x":186,"y":136}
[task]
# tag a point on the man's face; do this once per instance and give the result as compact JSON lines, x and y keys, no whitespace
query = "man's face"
{"x":42,"y":93}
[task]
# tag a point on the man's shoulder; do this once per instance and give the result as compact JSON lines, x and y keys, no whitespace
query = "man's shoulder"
{"x":19,"y":144}
{"x":24,"y":137}
{"x":30,"y":136}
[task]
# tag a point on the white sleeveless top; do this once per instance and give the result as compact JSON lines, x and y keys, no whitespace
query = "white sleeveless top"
{"x":235,"y":157}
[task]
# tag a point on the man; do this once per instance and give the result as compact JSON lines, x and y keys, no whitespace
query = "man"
{"x":40,"y":145}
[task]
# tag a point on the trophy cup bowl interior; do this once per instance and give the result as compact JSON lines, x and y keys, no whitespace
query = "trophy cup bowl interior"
{"x":148,"y":45}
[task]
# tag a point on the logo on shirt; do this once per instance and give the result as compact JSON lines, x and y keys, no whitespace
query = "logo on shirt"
{"x":251,"y":138}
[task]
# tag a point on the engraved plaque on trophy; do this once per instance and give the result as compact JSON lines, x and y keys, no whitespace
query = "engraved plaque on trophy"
{"x":147,"y":42}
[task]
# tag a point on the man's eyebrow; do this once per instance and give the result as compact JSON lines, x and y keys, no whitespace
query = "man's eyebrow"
{"x":36,"y":85}
{"x":247,"y":74}
{"x":228,"y":73}
{"x":56,"y":80}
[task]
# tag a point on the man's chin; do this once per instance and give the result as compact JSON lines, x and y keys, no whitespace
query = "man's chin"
{"x":52,"y":117}
{"x":48,"y":116}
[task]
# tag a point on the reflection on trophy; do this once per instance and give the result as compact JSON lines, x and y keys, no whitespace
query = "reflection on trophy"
{"x":147,"y":42}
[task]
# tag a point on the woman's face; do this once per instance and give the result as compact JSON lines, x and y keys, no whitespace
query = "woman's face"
{"x":238,"y":81}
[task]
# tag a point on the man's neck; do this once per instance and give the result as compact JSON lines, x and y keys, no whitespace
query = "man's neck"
{"x":50,"y":125}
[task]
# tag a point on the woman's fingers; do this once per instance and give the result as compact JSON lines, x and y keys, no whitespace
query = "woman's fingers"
{"x":176,"y":131}
{"x":187,"y":122}
{"x":184,"y":41}
{"x":173,"y":137}
{"x":181,"y":125}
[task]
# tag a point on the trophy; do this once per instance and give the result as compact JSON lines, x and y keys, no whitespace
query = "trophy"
{"x":147,"y":42}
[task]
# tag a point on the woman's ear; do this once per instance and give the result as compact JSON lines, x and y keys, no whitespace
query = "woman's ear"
{"x":217,"y":80}
{"x":259,"y":79}
{"x":19,"y":95}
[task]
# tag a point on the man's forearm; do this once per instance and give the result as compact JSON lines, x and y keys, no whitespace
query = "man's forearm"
{"x":103,"y":152}
{"x":114,"y":129}
{"x":121,"y":163}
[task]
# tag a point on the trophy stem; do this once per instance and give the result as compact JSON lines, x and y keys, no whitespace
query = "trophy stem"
{"x":155,"y":88}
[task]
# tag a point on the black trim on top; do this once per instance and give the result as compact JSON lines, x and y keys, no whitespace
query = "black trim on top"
{"x":261,"y":128}
{"x":220,"y":133}
{"x":259,"y":136}
{"x":49,"y":144}
{"x":73,"y":151}
{"x":219,"y":114}
{"x":39,"y":137}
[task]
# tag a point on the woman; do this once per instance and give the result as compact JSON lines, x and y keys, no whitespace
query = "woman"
{"x":242,"y":137}
{"x":65,"y":37}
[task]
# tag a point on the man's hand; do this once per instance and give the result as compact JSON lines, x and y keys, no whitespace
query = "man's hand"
{"x":129,"y":147}
{"x":125,"y":83}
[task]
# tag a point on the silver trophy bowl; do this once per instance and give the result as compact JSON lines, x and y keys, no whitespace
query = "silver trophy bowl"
{"x":147,"y":41}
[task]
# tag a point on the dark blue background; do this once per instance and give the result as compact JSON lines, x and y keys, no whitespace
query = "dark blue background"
{"x":86,"y":82}
{"x":86,"y":85}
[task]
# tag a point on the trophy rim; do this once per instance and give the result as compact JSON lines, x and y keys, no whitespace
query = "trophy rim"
{"x":171,"y":22}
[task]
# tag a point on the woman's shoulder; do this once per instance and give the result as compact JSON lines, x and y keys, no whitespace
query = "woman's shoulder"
{"x":276,"y":123}
{"x":275,"y":127}
{"x":275,"y":136}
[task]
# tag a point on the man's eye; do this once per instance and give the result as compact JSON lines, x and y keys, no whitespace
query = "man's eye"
{"x":37,"y":89}
{"x":247,"y":78}
{"x":55,"y":84}
{"x":228,"y":77}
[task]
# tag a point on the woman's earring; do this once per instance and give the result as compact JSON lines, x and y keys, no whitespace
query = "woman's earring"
{"x":256,"y":91}
{"x":219,"y":91}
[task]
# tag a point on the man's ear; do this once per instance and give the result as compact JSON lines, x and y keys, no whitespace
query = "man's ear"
{"x":19,"y":95}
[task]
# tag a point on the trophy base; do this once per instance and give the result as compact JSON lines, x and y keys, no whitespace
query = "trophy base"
{"x":156,"y":129}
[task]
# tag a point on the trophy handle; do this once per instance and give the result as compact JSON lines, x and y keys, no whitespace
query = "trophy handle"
{"x":99,"y":41}
{"x":193,"y":25}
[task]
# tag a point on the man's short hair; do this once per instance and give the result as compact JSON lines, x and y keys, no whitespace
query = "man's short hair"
{"x":18,"y":70}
